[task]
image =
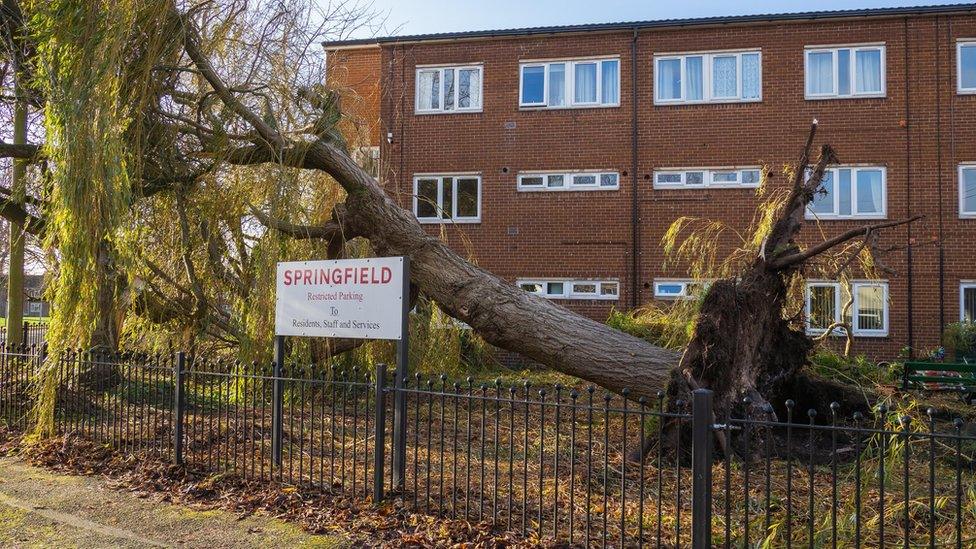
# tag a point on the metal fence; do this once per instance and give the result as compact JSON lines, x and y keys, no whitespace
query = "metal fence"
{"x":32,"y":333}
{"x":547,"y":462}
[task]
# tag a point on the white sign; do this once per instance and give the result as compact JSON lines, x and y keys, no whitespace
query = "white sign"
{"x":353,"y":298}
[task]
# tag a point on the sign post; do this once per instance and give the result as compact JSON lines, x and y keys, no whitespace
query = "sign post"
{"x":346,"y":298}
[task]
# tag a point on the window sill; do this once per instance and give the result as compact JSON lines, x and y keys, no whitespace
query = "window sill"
{"x":857,"y":335}
{"x":967,"y":215}
{"x":569,"y":108}
{"x":465,"y":111}
{"x":965,"y":91}
{"x":566,"y":190}
{"x":658,"y":103}
{"x":846,"y":218}
{"x":449,"y":221}
{"x":703,"y":187}
{"x":845,"y":97}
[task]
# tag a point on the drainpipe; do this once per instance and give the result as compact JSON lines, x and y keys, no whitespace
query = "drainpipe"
{"x":908,"y":202}
{"x":634,"y":201}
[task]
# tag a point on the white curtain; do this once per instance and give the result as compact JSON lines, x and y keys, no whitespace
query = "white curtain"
{"x":869,"y":192}
{"x":469,"y":89}
{"x":557,"y":84}
{"x":868,"y":64}
{"x":693,"y":73}
{"x":723,"y":77}
{"x":428,"y":90}
{"x":820,"y":75}
{"x":968,"y":190}
{"x":669,"y":79}
{"x":870,"y":307}
{"x":585,"y":83}
{"x":751,"y":83}
{"x":611,"y":82}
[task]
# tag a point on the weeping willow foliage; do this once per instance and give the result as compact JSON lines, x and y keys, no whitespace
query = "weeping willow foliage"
{"x":94,"y":86}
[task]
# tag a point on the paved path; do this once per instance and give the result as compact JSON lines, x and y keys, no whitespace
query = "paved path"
{"x":42,"y":509}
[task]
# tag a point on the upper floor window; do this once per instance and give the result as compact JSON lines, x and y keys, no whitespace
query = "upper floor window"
{"x":855,"y":71}
{"x":447,"y":198}
{"x":967,"y":302}
{"x":966,"y":66}
{"x":868,"y":314}
{"x":568,"y":181}
{"x":679,"y":288}
{"x":967,"y":190}
{"x":720,"y":77}
{"x":570,"y":84}
{"x":559,"y":288}
{"x":690,"y":178}
{"x":449,"y":89}
{"x":848,"y":192}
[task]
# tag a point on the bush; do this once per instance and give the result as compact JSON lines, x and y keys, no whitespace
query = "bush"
{"x":670,"y":325}
{"x":960,"y":338}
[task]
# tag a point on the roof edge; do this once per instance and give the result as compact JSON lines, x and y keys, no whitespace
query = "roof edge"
{"x":652,"y":24}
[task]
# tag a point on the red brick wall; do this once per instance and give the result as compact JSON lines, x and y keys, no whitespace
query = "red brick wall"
{"x":920,"y":132}
{"x":355,"y":74}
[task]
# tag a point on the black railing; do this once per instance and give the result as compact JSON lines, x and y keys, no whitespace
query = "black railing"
{"x":573,"y":464}
{"x":32,"y":333}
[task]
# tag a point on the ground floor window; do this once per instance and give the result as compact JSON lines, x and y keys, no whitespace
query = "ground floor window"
{"x":679,"y":288}
{"x":447,"y":198}
{"x":967,"y":301}
{"x":868,"y":312}
{"x":560,"y":288}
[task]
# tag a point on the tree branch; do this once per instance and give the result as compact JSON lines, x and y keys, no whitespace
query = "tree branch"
{"x":799,"y":257}
{"x":26,"y":151}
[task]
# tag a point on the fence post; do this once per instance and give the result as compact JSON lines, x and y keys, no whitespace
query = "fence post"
{"x":701,"y":469}
{"x":178,"y":401}
{"x":379,"y":453}
{"x":277,"y":399}
{"x":26,"y":332}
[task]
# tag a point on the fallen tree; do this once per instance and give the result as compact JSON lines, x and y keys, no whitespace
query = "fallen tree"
{"x":197,"y":124}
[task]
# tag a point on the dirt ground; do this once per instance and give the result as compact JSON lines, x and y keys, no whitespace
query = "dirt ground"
{"x":42,"y":509}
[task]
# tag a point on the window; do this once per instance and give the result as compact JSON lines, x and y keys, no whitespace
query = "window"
{"x":681,"y":178}
{"x":856,"y":71}
{"x":966,"y":66}
{"x":679,"y":288}
{"x":967,"y":301}
{"x":825,"y":302}
{"x":568,"y":181}
{"x":967,"y":191}
{"x":850,"y":192}
{"x":572,"y":289}
{"x":719,"y":77}
{"x":568,"y":84}
{"x":448,"y":89}
{"x":447,"y":198}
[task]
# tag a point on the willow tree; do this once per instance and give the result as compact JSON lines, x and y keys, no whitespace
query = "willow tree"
{"x":190,"y":145}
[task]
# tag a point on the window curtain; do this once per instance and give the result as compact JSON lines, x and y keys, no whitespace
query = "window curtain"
{"x":969,"y":304}
{"x":823,"y":307}
{"x":694,"y":74}
{"x":751,"y":83}
{"x":870,"y":308}
{"x":469,"y":89}
{"x":428,"y":90}
{"x":585,"y":83}
{"x":723,"y":77}
{"x":557,"y":84}
{"x":669,"y":79}
{"x":868,"y":65}
{"x":821,"y":73}
{"x":968,"y":190}
{"x":869,"y":192}
{"x":611,"y":82}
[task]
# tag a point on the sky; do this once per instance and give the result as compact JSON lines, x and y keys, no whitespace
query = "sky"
{"x":429,"y":16}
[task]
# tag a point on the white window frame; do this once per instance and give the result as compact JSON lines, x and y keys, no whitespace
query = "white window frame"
{"x":833,"y":49}
{"x":839,"y":306}
{"x":684,"y":282}
{"x":963,"y":213}
{"x":960,"y":44}
{"x":568,"y":181}
{"x":457,"y":88}
{"x":569,"y":288}
{"x":707,"y":58}
{"x":963,"y":286}
{"x":570,"y":76}
{"x":708,"y":175}
{"x":440,"y":197}
{"x":835,"y":215}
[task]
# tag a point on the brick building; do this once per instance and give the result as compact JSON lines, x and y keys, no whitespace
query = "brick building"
{"x":558,"y":157}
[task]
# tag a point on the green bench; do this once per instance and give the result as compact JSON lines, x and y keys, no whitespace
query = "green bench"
{"x":942,"y":376}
